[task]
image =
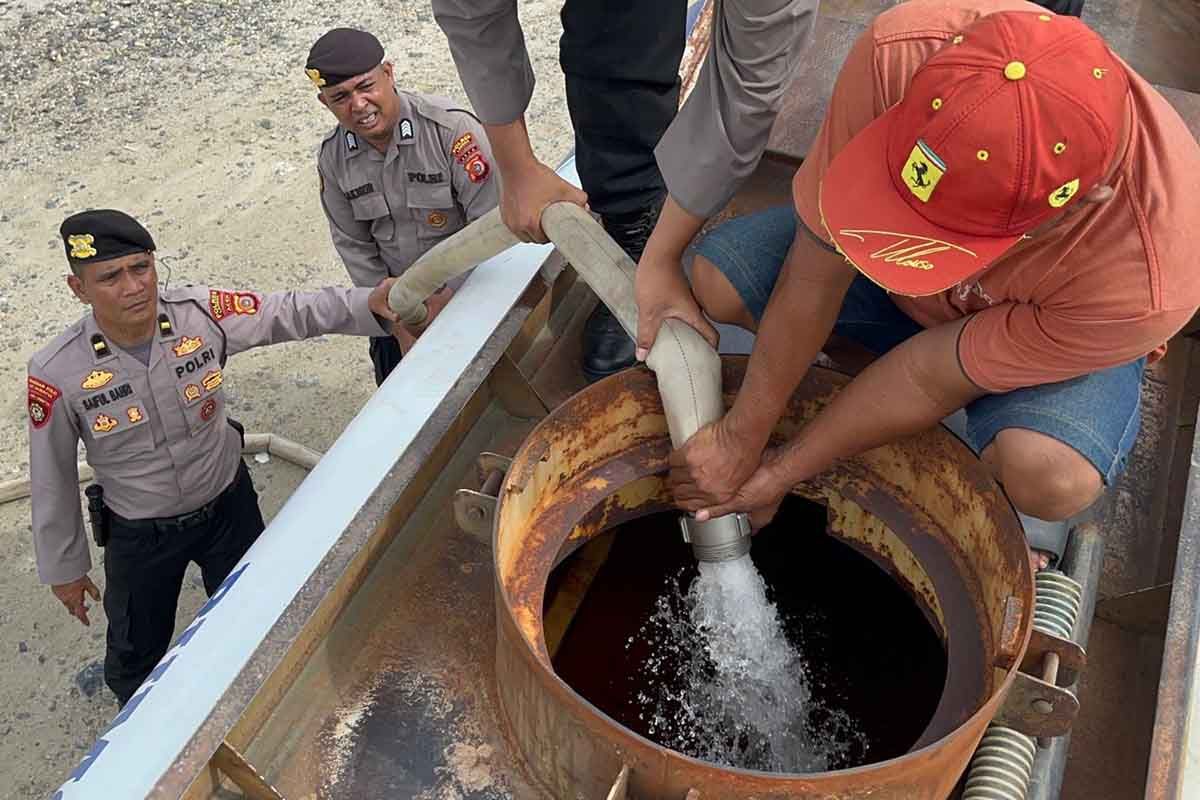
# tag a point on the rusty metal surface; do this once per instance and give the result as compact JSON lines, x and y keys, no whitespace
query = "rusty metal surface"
{"x":598,"y":460}
{"x":1023,"y":710}
{"x":1072,"y":659}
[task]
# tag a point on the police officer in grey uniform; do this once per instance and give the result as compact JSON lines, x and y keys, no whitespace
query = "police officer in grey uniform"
{"x":399,"y":173}
{"x":140,"y":381}
{"x":621,"y":63}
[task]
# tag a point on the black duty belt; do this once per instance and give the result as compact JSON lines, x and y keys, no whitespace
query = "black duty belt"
{"x":191,"y":519}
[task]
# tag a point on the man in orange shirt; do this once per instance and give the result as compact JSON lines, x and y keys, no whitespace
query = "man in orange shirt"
{"x":1004,"y":212}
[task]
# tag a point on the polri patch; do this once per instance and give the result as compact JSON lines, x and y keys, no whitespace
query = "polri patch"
{"x":477,"y":168}
{"x":460,"y":144}
{"x":41,"y":401}
{"x":222,"y":304}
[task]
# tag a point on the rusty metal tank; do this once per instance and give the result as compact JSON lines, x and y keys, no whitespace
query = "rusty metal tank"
{"x":925,"y":509}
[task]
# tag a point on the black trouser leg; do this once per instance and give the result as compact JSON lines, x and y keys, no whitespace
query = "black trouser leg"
{"x":385,"y":355}
{"x":621,"y":62}
{"x":236,"y":524}
{"x":1072,"y":7}
{"x":143,"y":572}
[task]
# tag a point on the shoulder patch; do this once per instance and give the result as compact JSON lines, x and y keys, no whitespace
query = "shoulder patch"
{"x":351,"y":141}
{"x":222,"y":304}
{"x":477,"y":168}
{"x":406,"y":129}
{"x":461,"y":144}
{"x":42,"y":396}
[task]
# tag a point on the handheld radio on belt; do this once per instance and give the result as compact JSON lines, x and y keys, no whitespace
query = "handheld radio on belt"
{"x":97,"y":513}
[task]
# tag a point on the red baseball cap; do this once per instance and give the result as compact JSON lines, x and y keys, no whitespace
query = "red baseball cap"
{"x":1014,"y":118}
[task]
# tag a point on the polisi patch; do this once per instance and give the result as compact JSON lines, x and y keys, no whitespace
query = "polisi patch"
{"x":104,"y":423}
{"x":196,"y":362}
{"x":187,"y":345}
{"x":96,"y":379}
{"x":41,"y":401}
{"x":477,"y":168}
{"x":359,"y":191}
{"x":460,"y":144}
{"x":223,"y":304}
{"x":426,"y":177}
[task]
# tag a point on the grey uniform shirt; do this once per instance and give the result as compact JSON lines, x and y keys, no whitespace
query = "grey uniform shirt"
{"x":717,"y":138}
{"x":155,"y":434}
{"x":386,"y":209}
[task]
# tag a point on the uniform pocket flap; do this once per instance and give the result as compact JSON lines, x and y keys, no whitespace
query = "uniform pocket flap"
{"x":370,"y":206}
{"x":430,"y":196}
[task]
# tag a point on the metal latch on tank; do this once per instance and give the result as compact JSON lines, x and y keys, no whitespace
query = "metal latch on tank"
{"x":1038,"y":703}
{"x":475,"y":511}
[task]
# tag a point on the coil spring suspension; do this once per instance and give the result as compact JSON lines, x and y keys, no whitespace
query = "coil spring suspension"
{"x":1003,"y":763}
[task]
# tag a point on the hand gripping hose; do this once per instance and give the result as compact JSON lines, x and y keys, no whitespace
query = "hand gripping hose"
{"x":688,"y":369}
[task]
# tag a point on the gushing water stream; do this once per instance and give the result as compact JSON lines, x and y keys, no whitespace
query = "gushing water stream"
{"x":743,"y":689}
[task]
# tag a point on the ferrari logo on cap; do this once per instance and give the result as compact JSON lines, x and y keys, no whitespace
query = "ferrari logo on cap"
{"x":922,"y":171}
{"x":81,"y":245}
{"x":96,"y":379}
{"x":1060,"y":196}
{"x":104,"y":423}
{"x":188,"y":345}
{"x":314,"y":75}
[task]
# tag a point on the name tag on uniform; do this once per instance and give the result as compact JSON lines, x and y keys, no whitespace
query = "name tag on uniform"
{"x":359,"y":191}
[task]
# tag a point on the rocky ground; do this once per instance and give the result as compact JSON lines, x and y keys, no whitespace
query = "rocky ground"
{"x":194,"y":116}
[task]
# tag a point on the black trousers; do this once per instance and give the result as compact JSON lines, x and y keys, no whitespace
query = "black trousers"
{"x":1072,"y":7}
{"x":144,"y":567}
{"x":385,"y":355}
{"x":621,"y":63}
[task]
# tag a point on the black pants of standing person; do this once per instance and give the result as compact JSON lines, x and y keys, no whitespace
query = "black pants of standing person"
{"x":620,"y":59}
{"x":144,"y":565}
{"x":385,"y":356}
{"x":1071,"y":7}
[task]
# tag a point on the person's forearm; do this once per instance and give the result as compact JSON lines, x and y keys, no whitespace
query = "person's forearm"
{"x":674,"y":231}
{"x":798,"y":320}
{"x":511,"y":147}
{"x":908,"y":390}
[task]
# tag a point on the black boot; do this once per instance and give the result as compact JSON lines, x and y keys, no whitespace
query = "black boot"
{"x":607,"y":349}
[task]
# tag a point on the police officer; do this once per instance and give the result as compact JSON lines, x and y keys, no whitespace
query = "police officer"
{"x":399,"y":173}
{"x":140,"y":381}
{"x":621,"y":62}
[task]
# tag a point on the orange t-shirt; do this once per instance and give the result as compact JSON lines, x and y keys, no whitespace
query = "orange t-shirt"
{"x":1109,"y":285}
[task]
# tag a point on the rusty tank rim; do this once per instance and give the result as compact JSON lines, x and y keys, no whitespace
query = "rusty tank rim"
{"x":593,"y":513}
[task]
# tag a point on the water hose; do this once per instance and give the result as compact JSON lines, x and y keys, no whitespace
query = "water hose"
{"x":686,"y":366}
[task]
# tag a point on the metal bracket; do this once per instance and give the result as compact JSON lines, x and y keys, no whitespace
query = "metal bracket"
{"x":1041,"y":706}
{"x":243,"y":774}
{"x":475,"y":511}
{"x":514,"y":391}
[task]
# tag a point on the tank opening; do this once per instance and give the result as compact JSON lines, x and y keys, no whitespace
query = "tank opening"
{"x":867,"y":680}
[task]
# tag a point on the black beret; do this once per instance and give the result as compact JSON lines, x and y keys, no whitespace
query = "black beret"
{"x":340,"y":55}
{"x":103,"y":234}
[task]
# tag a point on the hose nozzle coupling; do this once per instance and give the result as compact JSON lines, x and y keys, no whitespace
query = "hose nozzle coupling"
{"x":721,"y":539}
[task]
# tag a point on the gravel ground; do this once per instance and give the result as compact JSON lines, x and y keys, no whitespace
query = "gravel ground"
{"x":194,"y":116}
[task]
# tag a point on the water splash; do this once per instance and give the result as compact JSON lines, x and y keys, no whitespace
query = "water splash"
{"x":724,"y":684}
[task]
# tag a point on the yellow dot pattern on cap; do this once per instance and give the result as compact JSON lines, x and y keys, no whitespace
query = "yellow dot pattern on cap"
{"x":982,"y":155}
{"x":957,"y":39}
{"x":1014,"y":70}
{"x":1060,"y":148}
{"x":1098,"y":73}
{"x":937,"y":103}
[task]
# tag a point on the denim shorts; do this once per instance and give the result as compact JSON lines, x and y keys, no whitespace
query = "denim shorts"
{"x":1098,"y":415}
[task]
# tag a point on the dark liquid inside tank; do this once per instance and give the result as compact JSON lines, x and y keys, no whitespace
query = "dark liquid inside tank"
{"x":871,"y":658}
